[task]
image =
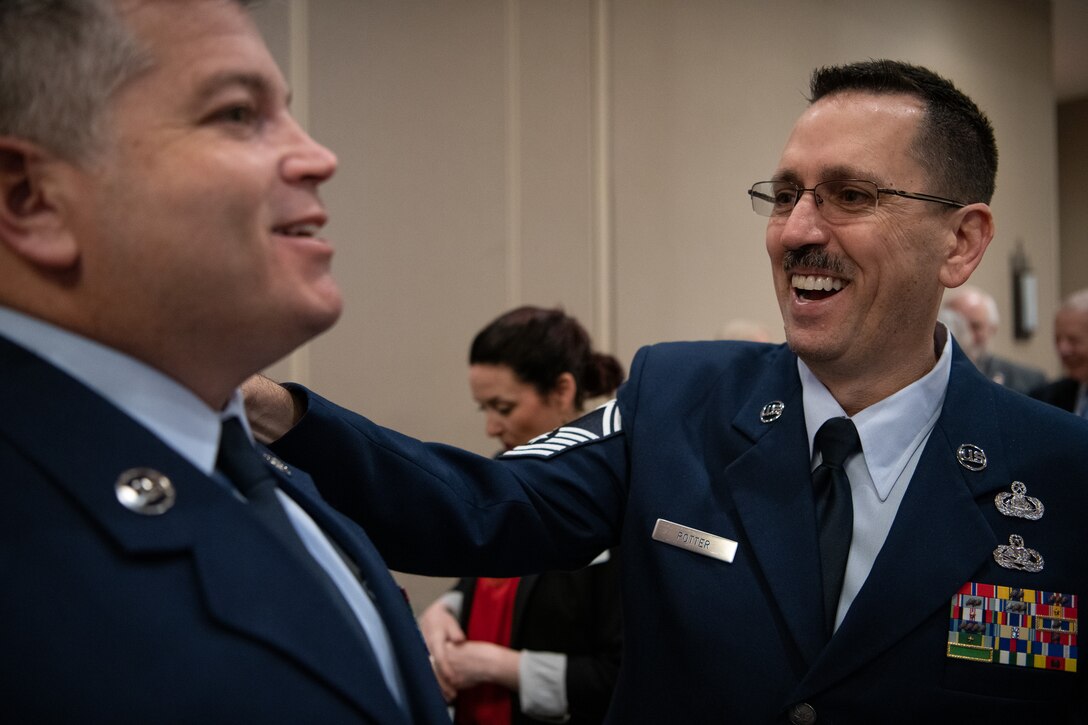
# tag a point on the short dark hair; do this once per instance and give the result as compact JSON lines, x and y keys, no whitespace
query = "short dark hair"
{"x":955,"y":143}
{"x":541,"y":344}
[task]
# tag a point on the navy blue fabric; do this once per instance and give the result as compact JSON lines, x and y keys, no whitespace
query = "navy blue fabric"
{"x":710,"y":641}
{"x":194,"y":615}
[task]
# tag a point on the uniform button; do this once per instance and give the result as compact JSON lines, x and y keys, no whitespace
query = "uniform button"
{"x":802,"y":714}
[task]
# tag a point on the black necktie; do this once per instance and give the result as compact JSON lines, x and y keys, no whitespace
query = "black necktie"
{"x":242,"y":464}
{"x":836,"y":440}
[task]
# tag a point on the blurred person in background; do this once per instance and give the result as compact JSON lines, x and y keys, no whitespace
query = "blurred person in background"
{"x":1071,"y":338}
{"x":547,"y":646}
{"x":979,"y":309}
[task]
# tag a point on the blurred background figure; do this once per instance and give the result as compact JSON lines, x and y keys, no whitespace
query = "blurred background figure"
{"x":957,"y":325}
{"x":544,"y":646}
{"x":979,"y":309}
{"x":1071,"y":339}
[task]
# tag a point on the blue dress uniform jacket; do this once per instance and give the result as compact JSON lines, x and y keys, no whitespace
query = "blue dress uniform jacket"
{"x":194,"y":615}
{"x":741,"y":642}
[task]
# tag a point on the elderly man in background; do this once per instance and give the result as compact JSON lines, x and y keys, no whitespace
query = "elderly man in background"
{"x":1071,"y":338}
{"x":979,"y":309}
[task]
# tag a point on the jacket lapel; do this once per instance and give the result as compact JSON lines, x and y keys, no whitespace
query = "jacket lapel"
{"x":769,"y":484}
{"x":939,"y":537}
{"x":247,"y":585}
{"x":418,"y":680}
{"x":254,"y":588}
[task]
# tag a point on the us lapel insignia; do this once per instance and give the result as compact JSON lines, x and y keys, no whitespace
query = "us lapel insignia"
{"x":145,"y":491}
{"x":1011,"y":626}
{"x":1019,"y":504}
{"x":971,"y":457}
{"x":772,"y":411}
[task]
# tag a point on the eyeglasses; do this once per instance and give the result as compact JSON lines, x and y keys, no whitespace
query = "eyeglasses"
{"x":846,"y":198}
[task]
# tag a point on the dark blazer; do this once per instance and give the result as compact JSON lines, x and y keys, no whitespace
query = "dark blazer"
{"x":1062,"y":393}
{"x":1021,"y":378}
{"x":576,"y":613}
{"x":711,"y":641}
{"x":193,"y":615}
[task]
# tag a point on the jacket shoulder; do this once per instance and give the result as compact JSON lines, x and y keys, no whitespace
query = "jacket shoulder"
{"x":679,"y":360}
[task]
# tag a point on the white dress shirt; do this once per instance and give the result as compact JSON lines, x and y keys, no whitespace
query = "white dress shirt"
{"x":893,"y":433}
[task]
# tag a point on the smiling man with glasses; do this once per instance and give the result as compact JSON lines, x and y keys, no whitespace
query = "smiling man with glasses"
{"x":854,"y":527}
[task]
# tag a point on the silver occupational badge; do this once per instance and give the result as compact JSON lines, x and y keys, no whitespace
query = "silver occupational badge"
{"x":1018,"y":504}
{"x":772,"y":411}
{"x":971,"y":457}
{"x":145,"y":491}
{"x":1017,"y":556}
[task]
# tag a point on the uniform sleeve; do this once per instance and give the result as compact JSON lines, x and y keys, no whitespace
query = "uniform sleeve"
{"x":435,"y":510}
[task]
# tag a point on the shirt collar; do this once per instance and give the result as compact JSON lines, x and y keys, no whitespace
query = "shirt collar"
{"x":161,"y":404}
{"x":891,"y":429}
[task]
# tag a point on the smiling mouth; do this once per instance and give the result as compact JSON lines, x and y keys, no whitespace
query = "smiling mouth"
{"x":816,"y":287}
{"x":297,"y":230}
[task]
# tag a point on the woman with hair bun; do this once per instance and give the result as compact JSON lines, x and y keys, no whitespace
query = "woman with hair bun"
{"x":547,"y":646}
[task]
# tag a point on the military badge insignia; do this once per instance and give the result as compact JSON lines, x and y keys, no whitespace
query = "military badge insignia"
{"x":595,"y":425}
{"x":1019,"y":504}
{"x":1012,"y":626}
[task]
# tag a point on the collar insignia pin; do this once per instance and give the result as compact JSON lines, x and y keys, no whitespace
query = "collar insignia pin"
{"x":277,"y":464}
{"x":1018,"y":504}
{"x":771,"y":411}
{"x":971,"y":457}
{"x":145,"y":491}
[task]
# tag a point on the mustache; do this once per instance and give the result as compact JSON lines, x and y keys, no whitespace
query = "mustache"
{"x":813,"y":257}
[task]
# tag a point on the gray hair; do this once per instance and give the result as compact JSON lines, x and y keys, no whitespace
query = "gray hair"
{"x":1078,"y":301}
{"x":61,"y":63}
{"x":967,"y":292}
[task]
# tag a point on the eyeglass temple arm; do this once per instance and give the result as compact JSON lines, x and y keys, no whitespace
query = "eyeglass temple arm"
{"x":759,"y":195}
{"x":922,"y":197}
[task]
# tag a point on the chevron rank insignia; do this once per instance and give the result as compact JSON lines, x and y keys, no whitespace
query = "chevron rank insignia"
{"x":1012,"y":626}
{"x":597,"y":424}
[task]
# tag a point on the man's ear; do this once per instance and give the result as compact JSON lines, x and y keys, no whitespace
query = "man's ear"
{"x":968,"y":239}
{"x":32,"y":225}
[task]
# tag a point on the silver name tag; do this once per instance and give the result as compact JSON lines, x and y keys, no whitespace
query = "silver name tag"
{"x":717,"y":547}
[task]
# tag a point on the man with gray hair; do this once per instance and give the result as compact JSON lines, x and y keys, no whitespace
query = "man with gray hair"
{"x":979,"y":309}
{"x":159,"y":219}
{"x":1071,"y":338}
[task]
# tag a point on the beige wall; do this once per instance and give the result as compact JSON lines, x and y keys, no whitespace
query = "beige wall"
{"x":1073,"y":185}
{"x":595,"y":154}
